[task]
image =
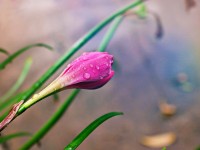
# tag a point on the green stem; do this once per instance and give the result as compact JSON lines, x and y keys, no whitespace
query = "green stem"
{"x":73,"y":49}
{"x":19,"y":81}
{"x":110,"y":33}
{"x":51,"y":122}
{"x":89,"y":129}
{"x":20,"y":51}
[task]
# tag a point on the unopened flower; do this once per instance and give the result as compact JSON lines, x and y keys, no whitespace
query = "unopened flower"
{"x":91,"y":70}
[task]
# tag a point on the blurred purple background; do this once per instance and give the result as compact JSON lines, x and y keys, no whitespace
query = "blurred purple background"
{"x":146,"y":71}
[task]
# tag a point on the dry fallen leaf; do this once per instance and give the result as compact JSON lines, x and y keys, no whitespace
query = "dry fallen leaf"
{"x":167,"y":109}
{"x":159,"y":141}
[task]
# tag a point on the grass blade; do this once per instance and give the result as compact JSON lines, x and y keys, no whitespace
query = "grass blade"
{"x":6,"y":138}
{"x":89,"y":129}
{"x":110,"y":33}
{"x":19,"y":82}
{"x":4,"y":51}
{"x":20,"y":51}
{"x":51,"y":122}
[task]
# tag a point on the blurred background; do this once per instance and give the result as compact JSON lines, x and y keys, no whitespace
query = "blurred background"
{"x":156,"y":63}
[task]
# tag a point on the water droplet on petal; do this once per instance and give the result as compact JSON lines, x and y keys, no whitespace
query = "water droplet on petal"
{"x":63,"y":85}
{"x":84,"y":68}
{"x":97,"y":67}
{"x":69,"y":65}
{"x":91,"y":65}
{"x":86,"y":75}
{"x":85,"y":53}
{"x":73,"y":76}
{"x":101,"y":77}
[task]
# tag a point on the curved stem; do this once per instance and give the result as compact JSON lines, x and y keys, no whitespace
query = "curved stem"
{"x":110,"y":33}
{"x":19,"y":82}
{"x":51,"y":122}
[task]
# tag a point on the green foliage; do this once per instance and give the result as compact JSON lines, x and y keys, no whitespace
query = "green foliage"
{"x":110,"y":33}
{"x":142,"y":11}
{"x":4,"y":51}
{"x":51,"y":122}
{"x":6,"y":138}
{"x":20,"y":51}
{"x":88,"y":130}
{"x":198,"y":148}
{"x":19,"y":82}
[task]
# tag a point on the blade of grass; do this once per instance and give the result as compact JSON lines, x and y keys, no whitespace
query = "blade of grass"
{"x":51,"y":122}
{"x":110,"y":33}
{"x":4,"y":51}
{"x":20,"y":51}
{"x":88,"y":130}
{"x":6,"y":138}
{"x":19,"y":82}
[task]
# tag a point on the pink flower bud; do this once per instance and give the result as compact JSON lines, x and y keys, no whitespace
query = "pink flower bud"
{"x":90,"y":71}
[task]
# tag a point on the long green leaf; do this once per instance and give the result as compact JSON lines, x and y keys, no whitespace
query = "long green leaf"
{"x":19,"y":82}
{"x":4,"y":51}
{"x":20,"y":51}
{"x":51,"y":122}
{"x":88,"y":130}
{"x":110,"y":33}
{"x":6,"y":138}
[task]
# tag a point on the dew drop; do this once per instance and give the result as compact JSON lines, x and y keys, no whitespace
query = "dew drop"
{"x":91,"y":65}
{"x":69,"y":65}
{"x":84,"y":68}
{"x":97,"y":67}
{"x":86,"y":75}
{"x":85,"y":58}
{"x":101,"y":77}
